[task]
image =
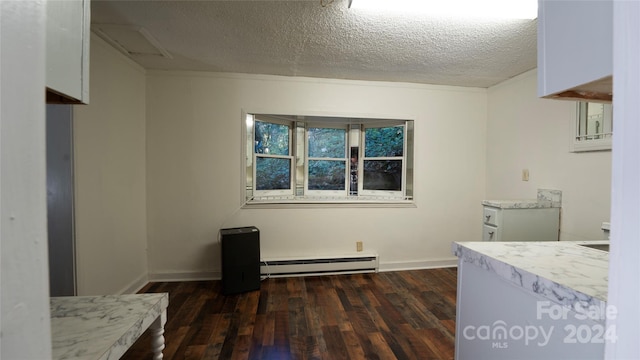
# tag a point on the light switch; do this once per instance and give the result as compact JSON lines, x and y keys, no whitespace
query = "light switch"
{"x":525,"y":174}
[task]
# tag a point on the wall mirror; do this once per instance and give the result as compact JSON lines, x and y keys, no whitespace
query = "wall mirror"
{"x":593,"y":127}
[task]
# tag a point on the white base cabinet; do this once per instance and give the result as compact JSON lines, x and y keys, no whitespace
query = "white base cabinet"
{"x":517,"y":224}
{"x":497,"y":320}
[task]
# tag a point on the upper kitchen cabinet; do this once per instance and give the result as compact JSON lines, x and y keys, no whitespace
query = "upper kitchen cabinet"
{"x":575,"y":49}
{"x":68,"y":26}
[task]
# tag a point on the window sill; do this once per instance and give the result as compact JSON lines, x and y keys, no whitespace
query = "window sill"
{"x":593,"y":145}
{"x":314,"y":204}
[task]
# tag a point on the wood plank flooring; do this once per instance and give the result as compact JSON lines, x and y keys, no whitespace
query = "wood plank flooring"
{"x":389,"y":315}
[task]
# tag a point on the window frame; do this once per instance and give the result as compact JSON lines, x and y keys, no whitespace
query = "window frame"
{"x":290,"y":157}
{"x":362,"y":158}
{"x":585,"y":145}
{"x":307,"y":158}
{"x":300,"y":195}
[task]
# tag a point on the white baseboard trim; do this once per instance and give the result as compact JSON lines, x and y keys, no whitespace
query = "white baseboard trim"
{"x":185,"y":276}
{"x":135,"y":285}
{"x":217,"y":275}
{"x":417,"y":265}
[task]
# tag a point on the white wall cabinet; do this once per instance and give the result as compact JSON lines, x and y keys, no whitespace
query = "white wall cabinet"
{"x":518,"y":224}
{"x":575,"y":51}
{"x":67,"y":76}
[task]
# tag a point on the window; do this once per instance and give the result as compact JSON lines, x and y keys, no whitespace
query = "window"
{"x":326,"y":171}
{"x":383,"y":160}
{"x":273,"y":160}
{"x":302,"y":159}
{"x":593,"y":127}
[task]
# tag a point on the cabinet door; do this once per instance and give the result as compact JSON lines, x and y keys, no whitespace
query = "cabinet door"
{"x":530,"y":225}
{"x":68,"y":51}
{"x":575,"y":52}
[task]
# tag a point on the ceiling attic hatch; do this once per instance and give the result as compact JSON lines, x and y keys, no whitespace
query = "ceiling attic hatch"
{"x":131,"y":40}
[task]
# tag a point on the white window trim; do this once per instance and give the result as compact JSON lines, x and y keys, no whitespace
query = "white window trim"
{"x":293,"y":201}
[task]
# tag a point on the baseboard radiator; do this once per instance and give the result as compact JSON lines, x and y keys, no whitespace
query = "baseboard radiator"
{"x":322,"y":265}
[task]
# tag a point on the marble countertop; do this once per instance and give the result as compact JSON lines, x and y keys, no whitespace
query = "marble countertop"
{"x":545,"y":198}
{"x":519,"y":204}
{"x":563,"y":272}
{"x":101,"y":327}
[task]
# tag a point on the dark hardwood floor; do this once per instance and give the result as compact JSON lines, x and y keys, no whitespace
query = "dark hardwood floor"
{"x":389,"y":315}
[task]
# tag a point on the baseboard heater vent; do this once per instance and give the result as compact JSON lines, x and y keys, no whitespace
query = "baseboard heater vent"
{"x":319,"y":266}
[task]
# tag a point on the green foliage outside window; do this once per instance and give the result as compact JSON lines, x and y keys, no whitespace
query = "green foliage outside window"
{"x":383,"y":175}
{"x":273,"y":173}
{"x":271,"y":138}
{"x":326,"y":142}
{"x":384,"y":141}
{"x":327,"y":175}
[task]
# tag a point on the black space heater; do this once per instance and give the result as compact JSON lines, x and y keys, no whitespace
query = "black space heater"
{"x":240,"y":259}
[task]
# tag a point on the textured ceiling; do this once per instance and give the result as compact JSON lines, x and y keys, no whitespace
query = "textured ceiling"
{"x":305,"y":38}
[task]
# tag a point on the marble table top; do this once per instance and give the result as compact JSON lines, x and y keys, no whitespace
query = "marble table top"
{"x":563,"y":272}
{"x":101,"y":327}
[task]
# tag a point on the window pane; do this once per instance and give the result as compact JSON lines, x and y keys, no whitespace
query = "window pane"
{"x":384,"y":142}
{"x":273,"y":173}
{"x":326,"y":175}
{"x":594,"y":121}
{"x":271,"y":138}
{"x":326,"y":143}
{"x":383,"y":175}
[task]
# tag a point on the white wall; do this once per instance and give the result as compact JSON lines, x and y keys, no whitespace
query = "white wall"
{"x":110,"y":209}
{"x":471,"y":144}
{"x":25,"y":331}
{"x":194,"y":169}
{"x":526,"y":132}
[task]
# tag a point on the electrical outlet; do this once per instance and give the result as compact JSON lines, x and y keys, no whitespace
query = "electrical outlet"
{"x":358,"y":245}
{"x":525,"y":174}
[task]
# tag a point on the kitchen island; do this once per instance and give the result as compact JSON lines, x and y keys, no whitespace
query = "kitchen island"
{"x":104,"y":327}
{"x":531,"y":300}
